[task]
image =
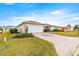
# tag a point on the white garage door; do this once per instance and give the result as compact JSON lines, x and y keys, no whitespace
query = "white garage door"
{"x":35,"y":28}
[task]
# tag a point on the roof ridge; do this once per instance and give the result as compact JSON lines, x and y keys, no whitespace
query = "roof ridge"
{"x":31,"y":22}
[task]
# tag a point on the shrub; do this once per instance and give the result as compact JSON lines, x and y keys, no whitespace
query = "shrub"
{"x":56,"y":30}
{"x":23,"y":35}
{"x":46,"y":30}
{"x":30,"y":35}
{"x":13,"y":30}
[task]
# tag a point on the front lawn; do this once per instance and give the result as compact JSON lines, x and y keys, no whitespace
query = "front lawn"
{"x":70,"y":33}
{"x":31,"y":46}
{"x":7,"y":35}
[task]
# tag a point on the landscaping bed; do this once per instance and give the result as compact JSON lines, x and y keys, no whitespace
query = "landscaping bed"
{"x":23,"y":35}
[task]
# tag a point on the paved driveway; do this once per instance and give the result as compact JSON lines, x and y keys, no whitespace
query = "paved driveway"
{"x":65,"y":46}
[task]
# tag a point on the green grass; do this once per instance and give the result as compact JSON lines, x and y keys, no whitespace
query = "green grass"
{"x":70,"y":33}
{"x":7,"y":35}
{"x":31,"y":46}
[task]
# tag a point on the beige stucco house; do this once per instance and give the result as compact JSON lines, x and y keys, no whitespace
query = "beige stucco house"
{"x":30,"y":27}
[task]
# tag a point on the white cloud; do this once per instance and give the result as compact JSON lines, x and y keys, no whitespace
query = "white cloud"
{"x":71,"y":19}
{"x":62,"y":17}
{"x":58,"y":17}
{"x":18,"y":20}
{"x":76,"y":18}
{"x":57,"y":12}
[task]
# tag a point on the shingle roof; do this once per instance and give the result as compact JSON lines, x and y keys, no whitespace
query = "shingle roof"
{"x":46,"y":24}
{"x":59,"y":26}
{"x":31,"y":22}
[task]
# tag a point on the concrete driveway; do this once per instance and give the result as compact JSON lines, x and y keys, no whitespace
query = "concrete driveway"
{"x":65,"y":46}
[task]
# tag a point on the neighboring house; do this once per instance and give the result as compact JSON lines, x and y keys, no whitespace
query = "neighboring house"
{"x":70,"y":29}
{"x":30,"y":27}
{"x":54,"y":27}
{"x":60,"y":28}
{"x":6,"y":28}
{"x":65,"y":28}
{"x":47,"y":27}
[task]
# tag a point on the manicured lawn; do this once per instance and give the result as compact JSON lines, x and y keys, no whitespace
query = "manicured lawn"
{"x":30,"y":46}
{"x":7,"y":35}
{"x":70,"y":33}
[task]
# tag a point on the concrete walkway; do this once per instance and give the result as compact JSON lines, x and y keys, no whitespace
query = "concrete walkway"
{"x":65,"y":46}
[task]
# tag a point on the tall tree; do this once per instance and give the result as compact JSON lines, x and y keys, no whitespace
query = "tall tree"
{"x":76,"y":27}
{"x":1,"y":29}
{"x":69,"y":27}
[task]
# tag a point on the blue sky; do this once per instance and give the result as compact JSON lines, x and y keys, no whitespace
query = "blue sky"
{"x":52,"y":13}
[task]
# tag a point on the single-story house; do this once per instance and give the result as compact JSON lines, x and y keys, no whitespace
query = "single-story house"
{"x":64,"y":28}
{"x":70,"y":28}
{"x":50,"y":27}
{"x":47,"y":27}
{"x":30,"y":27}
{"x":6,"y":28}
{"x":61,"y":28}
{"x":53,"y":27}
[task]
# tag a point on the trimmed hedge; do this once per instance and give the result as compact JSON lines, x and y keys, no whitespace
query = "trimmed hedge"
{"x":23,"y":35}
{"x":56,"y":30}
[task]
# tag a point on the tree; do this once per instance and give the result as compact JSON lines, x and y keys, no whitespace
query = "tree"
{"x":47,"y":29}
{"x":76,"y":27}
{"x":13,"y":30}
{"x":69,"y":27}
{"x":1,"y":29}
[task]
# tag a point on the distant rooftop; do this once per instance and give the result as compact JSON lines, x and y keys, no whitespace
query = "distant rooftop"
{"x":7,"y":26}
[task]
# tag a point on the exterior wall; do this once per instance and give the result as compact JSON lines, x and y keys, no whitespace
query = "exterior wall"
{"x":35,"y":28}
{"x":71,"y":28}
{"x":5,"y":29}
{"x":59,"y":28}
{"x":22,"y":28}
{"x":52,"y":28}
{"x":30,"y":28}
{"x":65,"y":30}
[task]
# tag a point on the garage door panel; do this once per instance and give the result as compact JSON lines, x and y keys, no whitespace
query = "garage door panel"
{"x":35,"y":28}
